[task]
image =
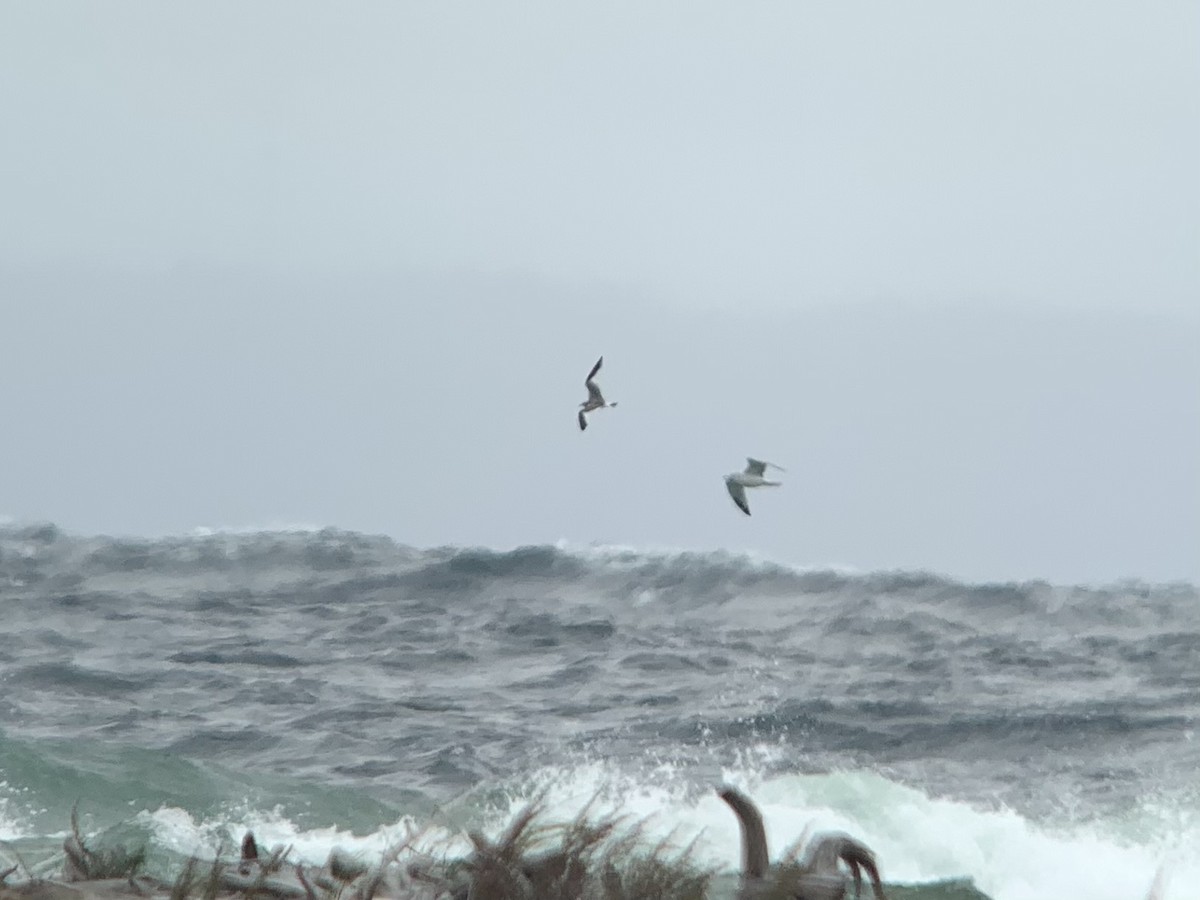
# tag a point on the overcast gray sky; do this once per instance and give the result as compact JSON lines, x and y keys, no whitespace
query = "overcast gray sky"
{"x":288,"y":262}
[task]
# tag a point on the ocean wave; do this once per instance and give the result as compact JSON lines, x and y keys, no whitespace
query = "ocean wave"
{"x":919,"y":839}
{"x":263,"y":658}
{"x":327,"y":685}
{"x":32,"y":553}
{"x":61,"y":676}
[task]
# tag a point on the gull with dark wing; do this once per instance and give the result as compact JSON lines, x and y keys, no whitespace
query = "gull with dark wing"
{"x":595,"y":399}
{"x":752,"y":476}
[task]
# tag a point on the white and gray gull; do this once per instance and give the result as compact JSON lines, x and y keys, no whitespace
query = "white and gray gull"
{"x":595,"y":399}
{"x":737,"y":483}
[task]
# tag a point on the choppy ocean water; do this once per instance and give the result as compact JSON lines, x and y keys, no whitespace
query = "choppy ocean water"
{"x":327,"y":688}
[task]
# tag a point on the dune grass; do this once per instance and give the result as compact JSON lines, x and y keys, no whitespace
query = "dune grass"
{"x":587,"y":858}
{"x":86,"y":863}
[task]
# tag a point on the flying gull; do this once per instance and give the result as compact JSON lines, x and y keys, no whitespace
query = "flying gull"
{"x":751,"y":477}
{"x":595,"y":399}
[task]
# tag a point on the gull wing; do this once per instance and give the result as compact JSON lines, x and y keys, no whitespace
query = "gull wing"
{"x":582,"y":421}
{"x":738,"y":493}
{"x":759,"y":466}
{"x":595,"y":398}
{"x":1158,"y":888}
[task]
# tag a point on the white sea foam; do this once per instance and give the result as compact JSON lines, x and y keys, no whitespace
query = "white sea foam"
{"x":177,"y":830}
{"x":14,"y":810}
{"x":11,"y":826}
{"x":617,"y":553}
{"x":268,"y":528}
